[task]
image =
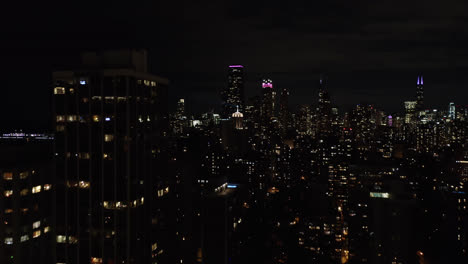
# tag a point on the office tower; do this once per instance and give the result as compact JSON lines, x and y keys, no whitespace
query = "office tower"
{"x":180,"y":112}
{"x":26,"y":208}
{"x":179,"y":121}
{"x":233,"y":95}
{"x":284,"y":115}
{"x":268,"y":101}
{"x":452,"y":113}
{"x":304,"y":120}
{"x":324,"y":108}
{"x":410,"y":107}
{"x":419,"y":94}
{"x":108,"y":116}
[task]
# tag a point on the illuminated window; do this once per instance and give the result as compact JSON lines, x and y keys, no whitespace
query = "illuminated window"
{"x":379,"y":195}
{"x":84,"y":155}
{"x":24,"y":238}
{"x":46,"y":229}
{"x":108,"y":137}
{"x":8,"y":211}
{"x":24,"y":175}
{"x":59,"y":90}
{"x":153,"y":83}
{"x":36,"y":189}
{"x":84,"y":184}
{"x":36,"y":233}
{"x":24,"y":192}
{"x":60,"y":128}
{"x":36,"y":224}
{"x":60,"y":118}
{"x":47,"y":187}
{"x":9,"y":240}
{"x":72,"y":91}
{"x":63,"y":239}
{"x":154,"y":246}
{"x":71,"y":118}
{"x":106,"y":156}
{"x":85,"y":99}
{"x":96,"y":260}
{"x":8,"y":193}
{"x":96,"y":118}
{"x":8,"y":176}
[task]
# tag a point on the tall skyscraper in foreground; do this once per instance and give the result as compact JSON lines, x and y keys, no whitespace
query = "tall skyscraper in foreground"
{"x":107,"y":116}
{"x":419,"y":94}
{"x":233,"y":95}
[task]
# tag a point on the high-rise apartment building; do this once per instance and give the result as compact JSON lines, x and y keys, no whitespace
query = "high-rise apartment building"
{"x":107,"y":116}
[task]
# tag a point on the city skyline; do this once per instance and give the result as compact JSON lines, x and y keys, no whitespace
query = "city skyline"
{"x":124,"y":179}
{"x":234,"y":132}
{"x":392,"y":102}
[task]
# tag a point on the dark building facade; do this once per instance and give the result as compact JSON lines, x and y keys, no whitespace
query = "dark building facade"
{"x":107,"y":117}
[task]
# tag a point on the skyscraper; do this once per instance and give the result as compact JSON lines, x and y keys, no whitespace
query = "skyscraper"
{"x":324,"y":107}
{"x":284,"y":115}
{"x":419,"y":94}
{"x":410,"y":107}
{"x":233,"y":95}
{"x":179,"y":121}
{"x":106,"y":116}
{"x":452,"y":113}
{"x":268,"y":101}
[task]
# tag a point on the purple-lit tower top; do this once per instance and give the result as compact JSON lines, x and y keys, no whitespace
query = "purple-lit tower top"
{"x":267,"y":83}
{"x":420,"y":93}
{"x":236,"y":66}
{"x":420,"y":80}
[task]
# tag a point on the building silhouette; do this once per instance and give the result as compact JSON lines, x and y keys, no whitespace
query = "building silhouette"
{"x":107,"y":114}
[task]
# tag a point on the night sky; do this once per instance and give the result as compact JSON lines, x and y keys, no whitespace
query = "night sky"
{"x":372,"y":51}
